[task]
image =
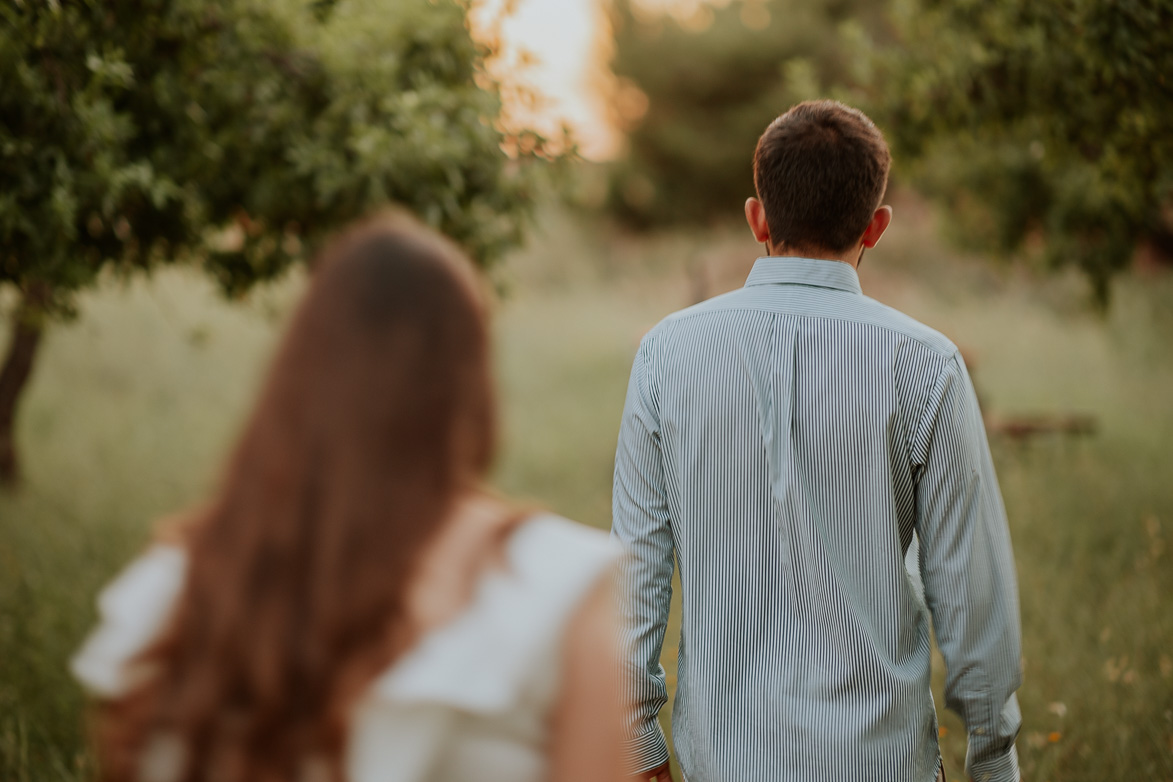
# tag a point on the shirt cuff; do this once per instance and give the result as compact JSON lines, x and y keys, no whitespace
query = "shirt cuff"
{"x":645,"y":752}
{"x":997,"y":768}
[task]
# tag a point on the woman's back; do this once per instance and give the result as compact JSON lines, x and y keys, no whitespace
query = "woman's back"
{"x":351,"y":597}
{"x":472,"y":699}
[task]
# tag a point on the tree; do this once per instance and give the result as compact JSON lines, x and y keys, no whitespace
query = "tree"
{"x":710,"y":83}
{"x":1033,"y":120}
{"x":231,"y":134}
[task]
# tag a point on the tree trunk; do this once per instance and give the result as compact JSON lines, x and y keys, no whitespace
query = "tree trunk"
{"x":27,"y":327}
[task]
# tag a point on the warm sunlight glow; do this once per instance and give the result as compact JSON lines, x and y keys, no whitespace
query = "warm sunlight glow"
{"x":558,"y":50}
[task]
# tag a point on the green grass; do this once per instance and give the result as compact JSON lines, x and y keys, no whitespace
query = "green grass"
{"x":133,"y":406}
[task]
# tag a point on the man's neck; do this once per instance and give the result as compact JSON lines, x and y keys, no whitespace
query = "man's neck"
{"x":851,"y":257}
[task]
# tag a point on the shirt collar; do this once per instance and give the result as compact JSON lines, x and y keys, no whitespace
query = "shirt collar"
{"x":804,"y":271}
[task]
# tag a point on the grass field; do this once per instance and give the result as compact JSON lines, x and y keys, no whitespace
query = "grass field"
{"x":133,"y":405}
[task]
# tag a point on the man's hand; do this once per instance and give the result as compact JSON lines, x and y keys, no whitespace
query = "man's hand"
{"x":659,"y":774}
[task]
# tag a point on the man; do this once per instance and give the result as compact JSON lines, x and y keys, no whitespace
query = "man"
{"x":785,"y":442}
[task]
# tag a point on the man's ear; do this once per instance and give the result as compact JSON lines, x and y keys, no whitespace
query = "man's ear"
{"x":755,"y":215}
{"x":881,"y":219}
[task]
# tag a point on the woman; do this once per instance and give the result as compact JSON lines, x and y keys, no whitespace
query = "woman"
{"x":352,"y":605}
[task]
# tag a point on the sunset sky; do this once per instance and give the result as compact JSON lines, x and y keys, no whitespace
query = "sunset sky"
{"x":568,"y":42}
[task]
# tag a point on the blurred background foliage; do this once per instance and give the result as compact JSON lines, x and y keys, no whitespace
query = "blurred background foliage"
{"x":1044,"y":122}
{"x":233,"y":134}
{"x":132,"y":131}
{"x":693,"y":94}
{"x":1044,"y":127}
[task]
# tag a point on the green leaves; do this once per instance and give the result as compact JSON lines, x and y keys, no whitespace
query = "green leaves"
{"x":1047,"y":118}
{"x":712,"y":91}
{"x":134,"y":134}
{"x":1039,"y":123}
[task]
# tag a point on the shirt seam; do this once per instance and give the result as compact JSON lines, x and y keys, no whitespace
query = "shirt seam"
{"x":644,"y":354}
{"x":940,"y":352}
{"x":925,"y":422}
{"x":852,"y":289}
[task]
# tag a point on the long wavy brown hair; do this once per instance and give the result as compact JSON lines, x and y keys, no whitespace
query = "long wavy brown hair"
{"x":377,"y":415}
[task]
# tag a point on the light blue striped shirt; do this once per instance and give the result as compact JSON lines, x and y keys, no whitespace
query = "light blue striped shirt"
{"x":787,"y":443}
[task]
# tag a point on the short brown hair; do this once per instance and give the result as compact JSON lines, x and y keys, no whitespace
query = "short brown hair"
{"x":820,"y":171}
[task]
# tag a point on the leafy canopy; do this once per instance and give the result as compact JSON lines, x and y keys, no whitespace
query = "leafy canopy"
{"x":232,"y":133}
{"x":712,"y":83}
{"x":1044,"y":125}
{"x":1038,"y":118}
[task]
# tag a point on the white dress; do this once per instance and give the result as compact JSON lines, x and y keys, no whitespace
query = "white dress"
{"x":470,"y":701}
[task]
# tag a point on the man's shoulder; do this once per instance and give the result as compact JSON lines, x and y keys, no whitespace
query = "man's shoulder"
{"x":858,"y":309}
{"x":722,"y":306}
{"x":896,"y":321}
{"x":730,"y":302}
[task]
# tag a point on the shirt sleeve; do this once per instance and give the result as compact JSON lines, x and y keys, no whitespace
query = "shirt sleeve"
{"x":967,"y":567}
{"x":132,"y":610}
{"x":641,"y":524}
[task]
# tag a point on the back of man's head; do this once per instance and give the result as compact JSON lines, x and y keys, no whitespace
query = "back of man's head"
{"x":820,"y":171}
